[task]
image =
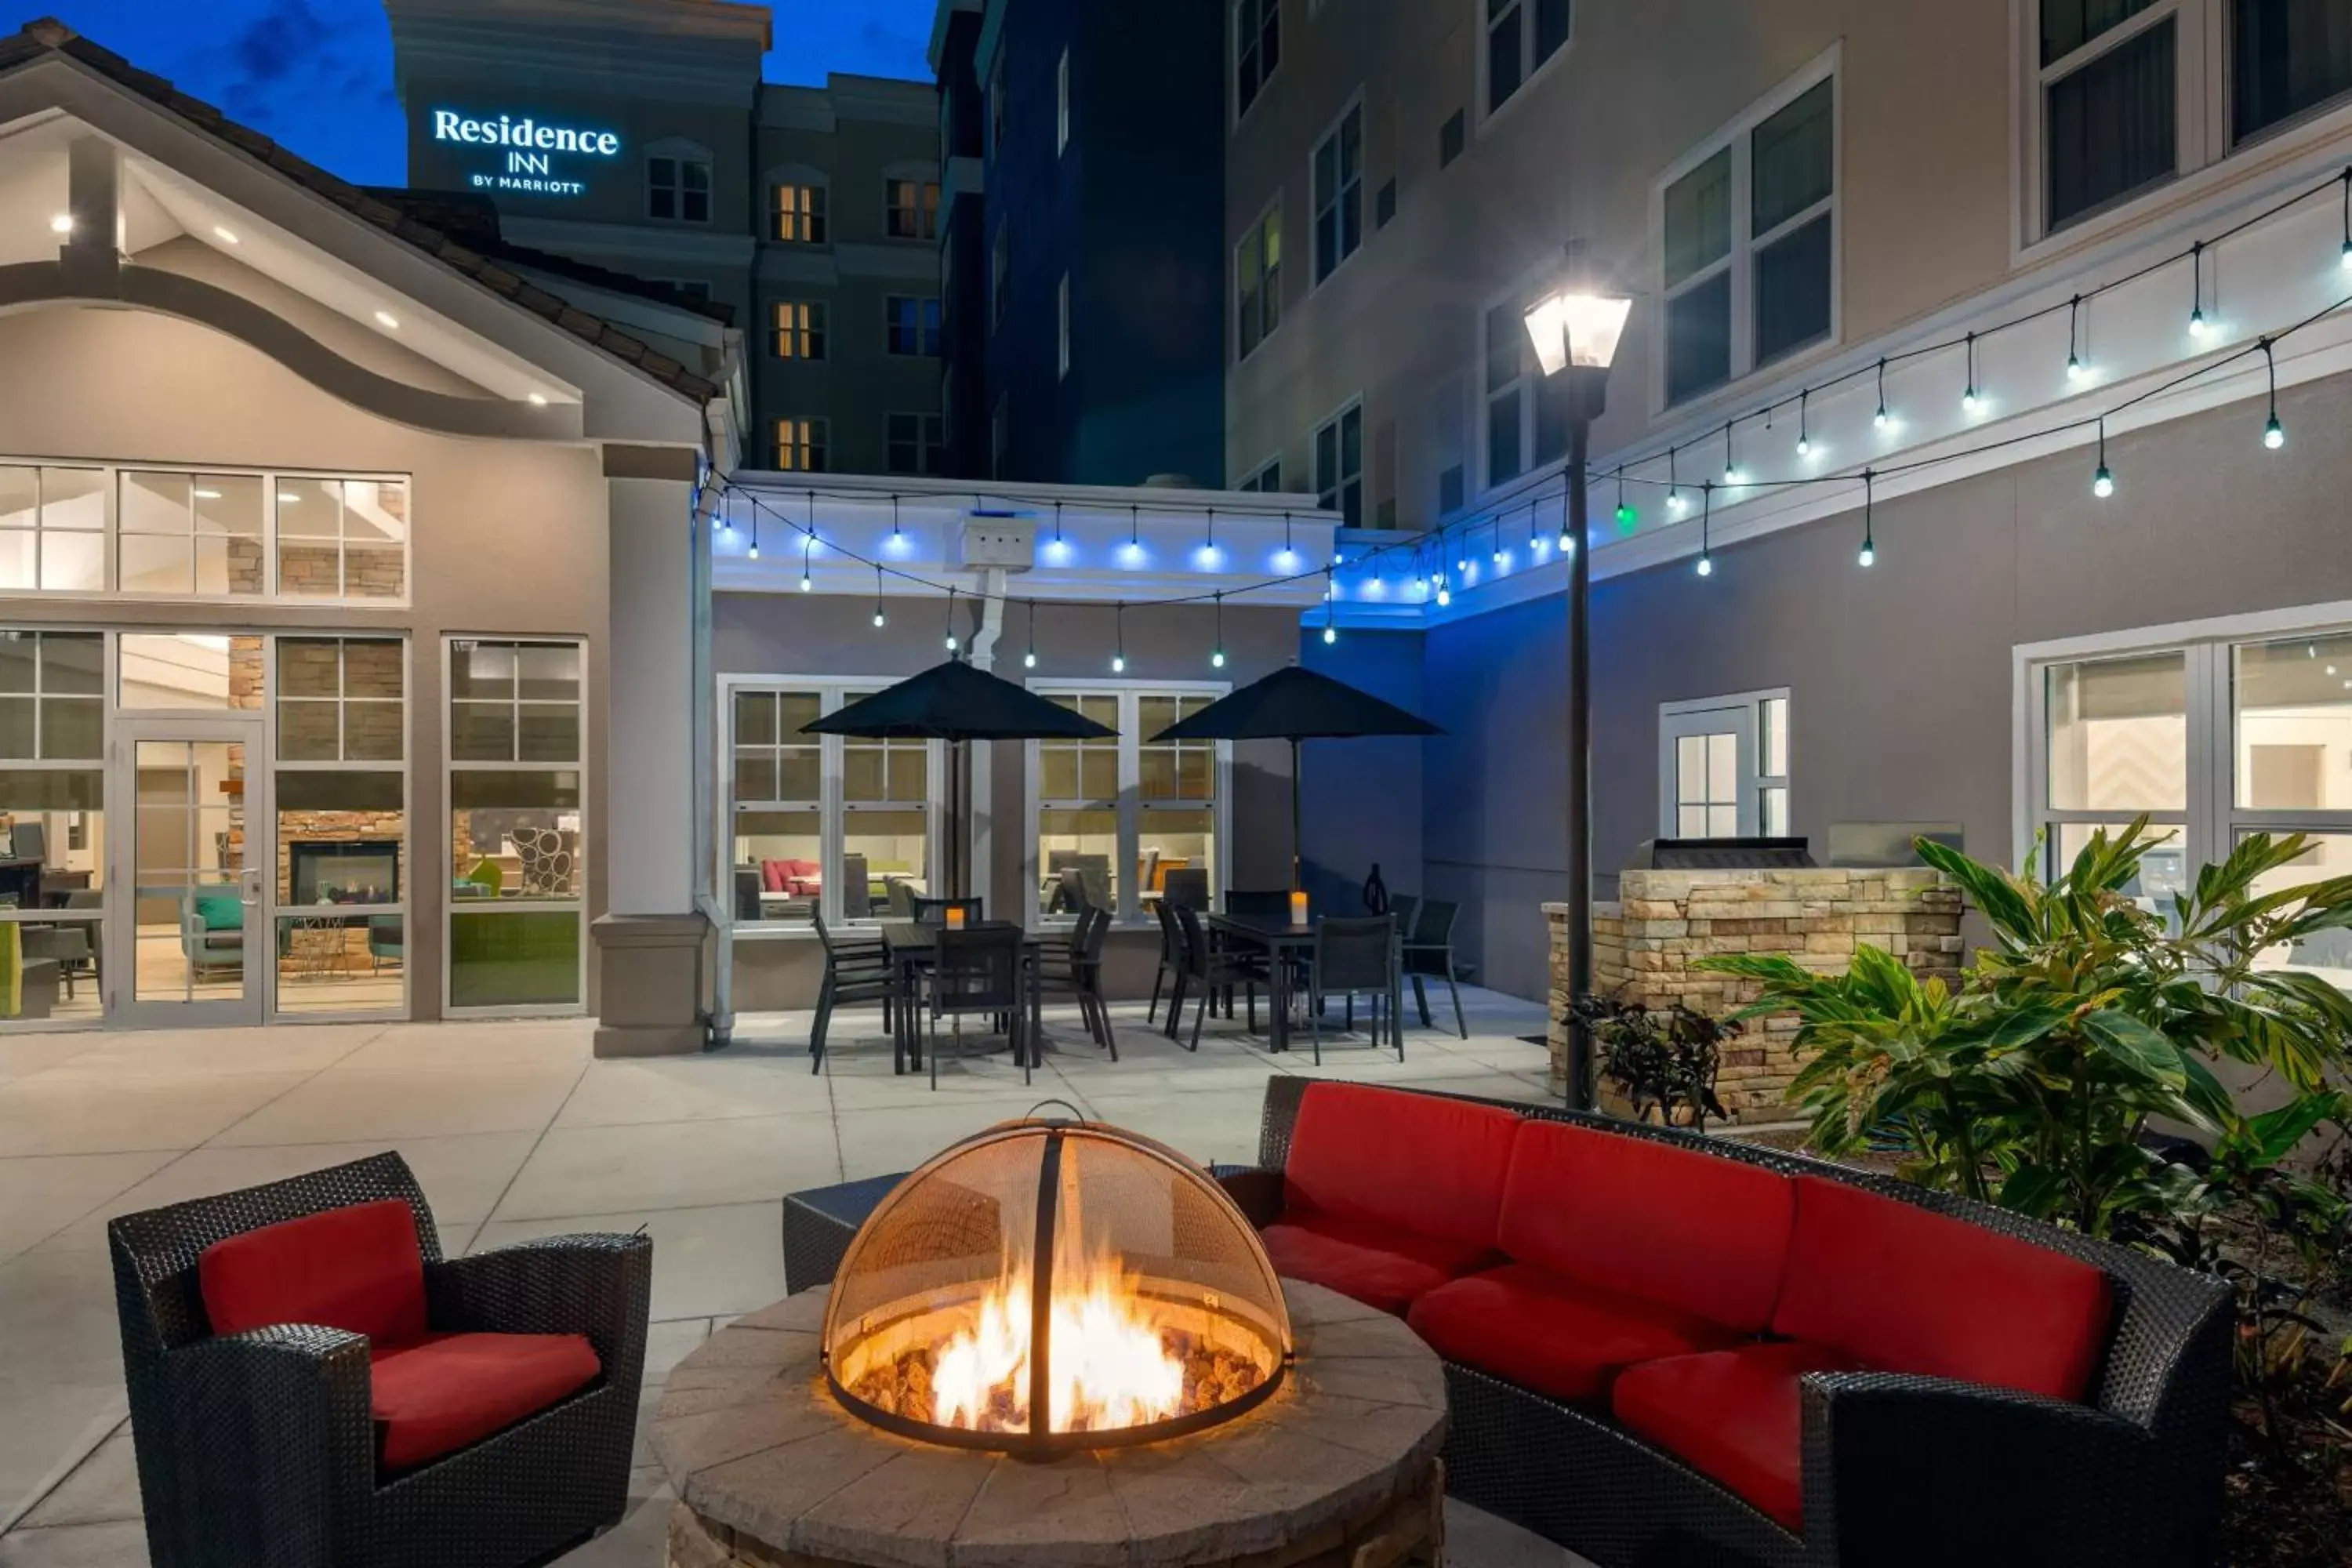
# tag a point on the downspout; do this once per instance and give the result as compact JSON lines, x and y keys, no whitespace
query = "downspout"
{"x":981,"y":794}
{"x":709,"y":882}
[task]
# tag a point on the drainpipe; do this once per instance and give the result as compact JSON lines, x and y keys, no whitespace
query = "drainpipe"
{"x":982,"y":792}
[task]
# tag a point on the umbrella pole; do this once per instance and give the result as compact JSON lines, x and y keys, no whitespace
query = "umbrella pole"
{"x":1295,"y":883}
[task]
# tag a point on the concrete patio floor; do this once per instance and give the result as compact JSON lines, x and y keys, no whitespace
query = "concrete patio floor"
{"x":515,"y":1131}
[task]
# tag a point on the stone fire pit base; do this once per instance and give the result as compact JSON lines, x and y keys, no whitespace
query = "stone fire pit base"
{"x":1338,"y":1469}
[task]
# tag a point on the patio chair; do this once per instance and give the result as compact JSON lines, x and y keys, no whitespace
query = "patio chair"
{"x":977,"y":972}
{"x":855,"y":972}
{"x":1210,"y":969}
{"x":1171,"y":959}
{"x":311,"y":1383}
{"x":1188,"y":885}
{"x":1353,"y":957}
{"x":1081,"y":980}
{"x":1429,"y":952}
{"x":934,"y":912}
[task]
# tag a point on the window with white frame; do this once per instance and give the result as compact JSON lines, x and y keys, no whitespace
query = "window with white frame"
{"x":1526,"y":411}
{"x":53,"y":793}
{"x":1521,"y":35}
{"x":1748,"y":241}
{"x":796,"y":211}
{"x":1338,"y":166}
{"x":1339,"y":452}
{"x":2123,"y":95}
{"x":910,"y":208}
{"x":801,"y":328}
{"x":801,"y":444}
{"x":917,"y":443}
{"x":1062,"y":327}
{"x":821,"y":824}
{"x":1258,"y":281}
{"x":1114,"y":817}
{"x":1263,"y":480}
{"x":911,"y":325}
{"x":1062,"y":102}
{"x":341,"y":795}
{"x":678,"y":183}
{"x":193,"y":533}
{"x":1723,"y":767}
{"x":1258,"y":49}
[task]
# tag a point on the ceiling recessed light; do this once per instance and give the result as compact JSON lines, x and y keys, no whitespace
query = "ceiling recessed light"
{"x":227,"y":237}
{"x":61,"y":224}
{"x":539,"y":400}
{"x":387,"y":321}
{"x":208,"y":495}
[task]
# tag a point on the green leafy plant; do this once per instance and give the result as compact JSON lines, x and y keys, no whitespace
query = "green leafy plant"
{"x":1663,"y":1062}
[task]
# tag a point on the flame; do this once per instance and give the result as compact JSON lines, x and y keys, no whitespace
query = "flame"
{"x":1108,"y":1367}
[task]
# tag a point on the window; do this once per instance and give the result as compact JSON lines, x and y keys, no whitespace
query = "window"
{"x":2287,"y":57}
{"x":1338,"y":170}
{"x":1062,"y":327}
{"x":1000,"y":276}
{"x":820,"y":823}
{"x":1258,"y":49}
{"x":797,"y":214}
{"x":1340,"y":464}
{"x":678,"y":187}
{"x":1521,"y":35}
{"x":1748,"y":244}
{"x":1723,"y":767}
{"x":340,"y":539}
{"x":801,"y":445}
{"x":1449,"y":139}
{"x":1526,"y":411}
{"x":1266,"y":479}
{"x":518,"y":825}
{"x":1062,"y":102}
{"x":53,"y":530}
{"x":912,"y":324}
{"x":193,"y":533}
{"x":911,"y":209}
{"x":53,"y":794}
{"x":1118,"y":814}
{"x":917,"y":443}
{"x":1384,"y":204}
{"x":339,"y":791}
{"x":801,"y":328}
{"x":1258,"y":281}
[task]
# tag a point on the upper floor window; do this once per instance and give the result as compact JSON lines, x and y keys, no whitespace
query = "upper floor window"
{"x":801,"y":445}
{"x":1526,"y":411}
{"x":801,"y":328}
{"x":917,"y":443}
{"x":1521,"y":35}
{"x":1062,"y":102}
{"x":911,"y":208}
{"x":797,"y":213}
{"x":913,"y":324}
{"x":1749,"y":246}
{"x":1340,"y":464}
{"x":1338,"y":169}
{"x":1258,"y":281}
{"x":677,"y":186}
{"x":1723,"y":766}
{"x":1257,"y":48}
{"x":1266,"y":479}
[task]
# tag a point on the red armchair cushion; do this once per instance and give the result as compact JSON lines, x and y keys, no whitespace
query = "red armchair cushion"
{"x":446,"y":1392}
{"x":1696,"y":1232}
{"x":1736,"y":1415}
{"x":1378,"y":1265}
{"x":1910,"y":1290}
{"x":1429,"y":1166}
{"x":1555,"y":1335}
{"x":771,"y":876}
{"x":357,"y":1269}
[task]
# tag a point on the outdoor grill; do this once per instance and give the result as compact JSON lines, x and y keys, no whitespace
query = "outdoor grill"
{"x":1155,"y":1312}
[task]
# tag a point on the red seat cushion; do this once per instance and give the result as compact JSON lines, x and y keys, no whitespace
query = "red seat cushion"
{"x":1911,"y":1290}
{"x":357,"y":1269}
{"x":445,"y":1392}
{"x":1736,"y":1415}
{"x":1426,"y":1165}
{"x":1697,"y":1232}
{"x":771,"y":876}
{"x":1378,"y":1265}
{"x":1555,"y":1335}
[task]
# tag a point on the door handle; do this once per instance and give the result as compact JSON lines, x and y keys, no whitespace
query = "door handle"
{"x":249,"y":885}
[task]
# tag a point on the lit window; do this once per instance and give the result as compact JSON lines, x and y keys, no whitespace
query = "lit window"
{"x":52,"y":530}
{"x":344,"y":539}
{"x":1526,"y":411}
{"x":193,"y":533}
{"x":1726,"y":765}
{"x":911,"y":208}
{"x":53,"y":794}
{"x":677,"y":189}
{"x":917,"y":443}
{"x":912,"y":324}
{"x":1257,"y":48}
{"x":801,"y":445}
{"x":1257,"y":282}
{"x":797,"y":214}
{"x":1521,"y":35}
{"x":1115,"y":816}
{"x":1340,"y":464}
{"x":801,"y":328}
{"x":1338,"y":166}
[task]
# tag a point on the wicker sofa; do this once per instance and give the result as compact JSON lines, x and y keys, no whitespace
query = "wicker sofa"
{"x":1665,"y":1349}
{"x":491,"y":1427}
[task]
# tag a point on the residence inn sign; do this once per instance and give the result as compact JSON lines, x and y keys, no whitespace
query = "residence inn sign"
{"x":522,"y":154}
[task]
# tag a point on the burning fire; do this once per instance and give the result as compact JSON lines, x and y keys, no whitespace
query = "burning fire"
{"x":1108,"y":1366}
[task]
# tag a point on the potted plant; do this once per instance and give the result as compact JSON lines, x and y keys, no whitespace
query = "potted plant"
{"x":1662,"y":1065}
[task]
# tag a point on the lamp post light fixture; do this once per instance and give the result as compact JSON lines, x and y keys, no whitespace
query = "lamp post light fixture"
{"x":1576,"y":331}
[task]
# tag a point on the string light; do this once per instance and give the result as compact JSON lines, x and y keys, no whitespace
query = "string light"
{"x":1118,"y":659}
{"x":1869,"y":556}
{"x":1627,"y":518}
{"x":1217,"y":653}
{"x":1535,"y":539}
{"x":951,"y":631}
{"x":1330,"y":593}
{"x":1880,"y":420}
{"x":2102,"y":483}
{"x":1730,"y":459}
{"x":1445,"y":594}
{"x":1029,"y":659}
{"x":1134,"y":542}
{"x":1059,"y":545}
{"x":806,"y":545}
{"x":1804,"y":428}
{"x":1675,"y":502}
{"x":2075,"y":368}
{"x":2198,"y":325}
{"x":2274,"y":433}
{"x":1209,"y":537}
{"x":896,"y":537}
{"x":1462,"y":564}
{"x":1705,"y":516}
{"x":1969,"y":402}
{"x":2346,"y":262}
{"x":1289,"y":557}
{"x":1498,"y":542}
{"x":881,"y":619}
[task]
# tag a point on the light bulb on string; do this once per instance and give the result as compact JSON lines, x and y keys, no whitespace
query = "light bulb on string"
{"x":898,"y":537}
{"x":1880,"y":418}
{"x":2274,"y":433}
{"x":1331,"y":592}
{"x":2198,"y":325}
{"x":1119,"y":657}
{"x":1134,"y":542}
{"x":1289,"y":557}
{"x":1675,"y":502}
{"x":1498,"y":542}
{"x":1869,"y":555}
{"x":1627,"y":518}
{"x":806,"y":546}
{"x":1969,"y":401}
{"x":1731,"y":475}
{"x":1804,"y":427}
{"x":1535,"y":539}
{"x":2102,"y":482}
{"x":881,"y":619}
{"x":951,"y":631}
{"x":1444,"y":596}
{"x":1029,"y":659}
{"x":2075,"y":368}
{"x":755,"y":534}
{"x":1209,"y":537}
{"x":1217,"y":653}
{"x":2346,"y":253}
{"x":1706,"y":517}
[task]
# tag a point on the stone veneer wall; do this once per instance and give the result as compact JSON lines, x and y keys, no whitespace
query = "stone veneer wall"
{"x":1643,"y":946}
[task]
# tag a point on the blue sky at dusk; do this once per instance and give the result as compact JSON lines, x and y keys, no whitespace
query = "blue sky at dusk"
{"x":315,"y":75}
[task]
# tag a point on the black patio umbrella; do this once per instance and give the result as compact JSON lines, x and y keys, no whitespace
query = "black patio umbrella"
{"x":956,"y":702}
{"x":1296,"y":705}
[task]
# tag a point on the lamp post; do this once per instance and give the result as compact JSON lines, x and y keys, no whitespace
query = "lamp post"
{"x":1576,"y":333}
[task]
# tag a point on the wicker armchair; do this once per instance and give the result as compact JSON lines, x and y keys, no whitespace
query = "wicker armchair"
{"x":256,"y":1449}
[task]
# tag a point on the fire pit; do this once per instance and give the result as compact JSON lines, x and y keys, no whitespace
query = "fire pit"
{"x":1048,"y":1285}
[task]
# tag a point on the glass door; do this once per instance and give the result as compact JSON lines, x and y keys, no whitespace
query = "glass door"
{"x":191,"y":942}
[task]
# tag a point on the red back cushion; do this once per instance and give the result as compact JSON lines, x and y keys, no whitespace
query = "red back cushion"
{"x":1688,"y":1230}
{"x":1431,"y":1165}
{"x":799,"y":868}
{"x":1908,"y":1290}
{"x":357,"y":1269}
{"x":771,"y":876}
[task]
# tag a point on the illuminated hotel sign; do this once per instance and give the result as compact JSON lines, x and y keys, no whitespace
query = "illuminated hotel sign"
{"x":526,"y":151}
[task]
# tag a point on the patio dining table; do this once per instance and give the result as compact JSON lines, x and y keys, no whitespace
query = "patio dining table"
{"x":1287,"y":945}
{"x":911,"y":946}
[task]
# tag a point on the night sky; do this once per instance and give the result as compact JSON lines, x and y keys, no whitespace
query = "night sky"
{"x":315,"y":75}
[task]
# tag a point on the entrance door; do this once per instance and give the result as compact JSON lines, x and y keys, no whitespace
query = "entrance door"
{"x":1723,"y":767}
{"x":191,"y":943}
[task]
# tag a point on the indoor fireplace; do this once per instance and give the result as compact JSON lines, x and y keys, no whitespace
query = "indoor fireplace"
{"x":344,"y":871}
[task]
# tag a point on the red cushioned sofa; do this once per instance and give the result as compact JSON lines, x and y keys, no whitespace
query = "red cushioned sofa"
{"x":1667,"y":1349}
{"x":311,"y":1383}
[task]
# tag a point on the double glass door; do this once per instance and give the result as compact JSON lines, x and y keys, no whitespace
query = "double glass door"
{"x":190,"y":946}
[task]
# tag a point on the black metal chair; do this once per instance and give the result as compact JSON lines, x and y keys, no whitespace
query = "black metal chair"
{"x":1258,"y":904}
{"x":1351,"y":958}
{"x":1187,"y":885}
{"x":933,"y":912}
{"x":1402,"y":909}
{"x":1079,"y":976}
{"x":855,"y":972}
{"x":978,"y":971}
{"x":1209,"y":969}
{"x":258,"y":1447}
{"x":1429,"y":954}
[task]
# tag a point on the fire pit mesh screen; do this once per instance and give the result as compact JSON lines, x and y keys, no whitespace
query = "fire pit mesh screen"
{"x":1157,"y":1314}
